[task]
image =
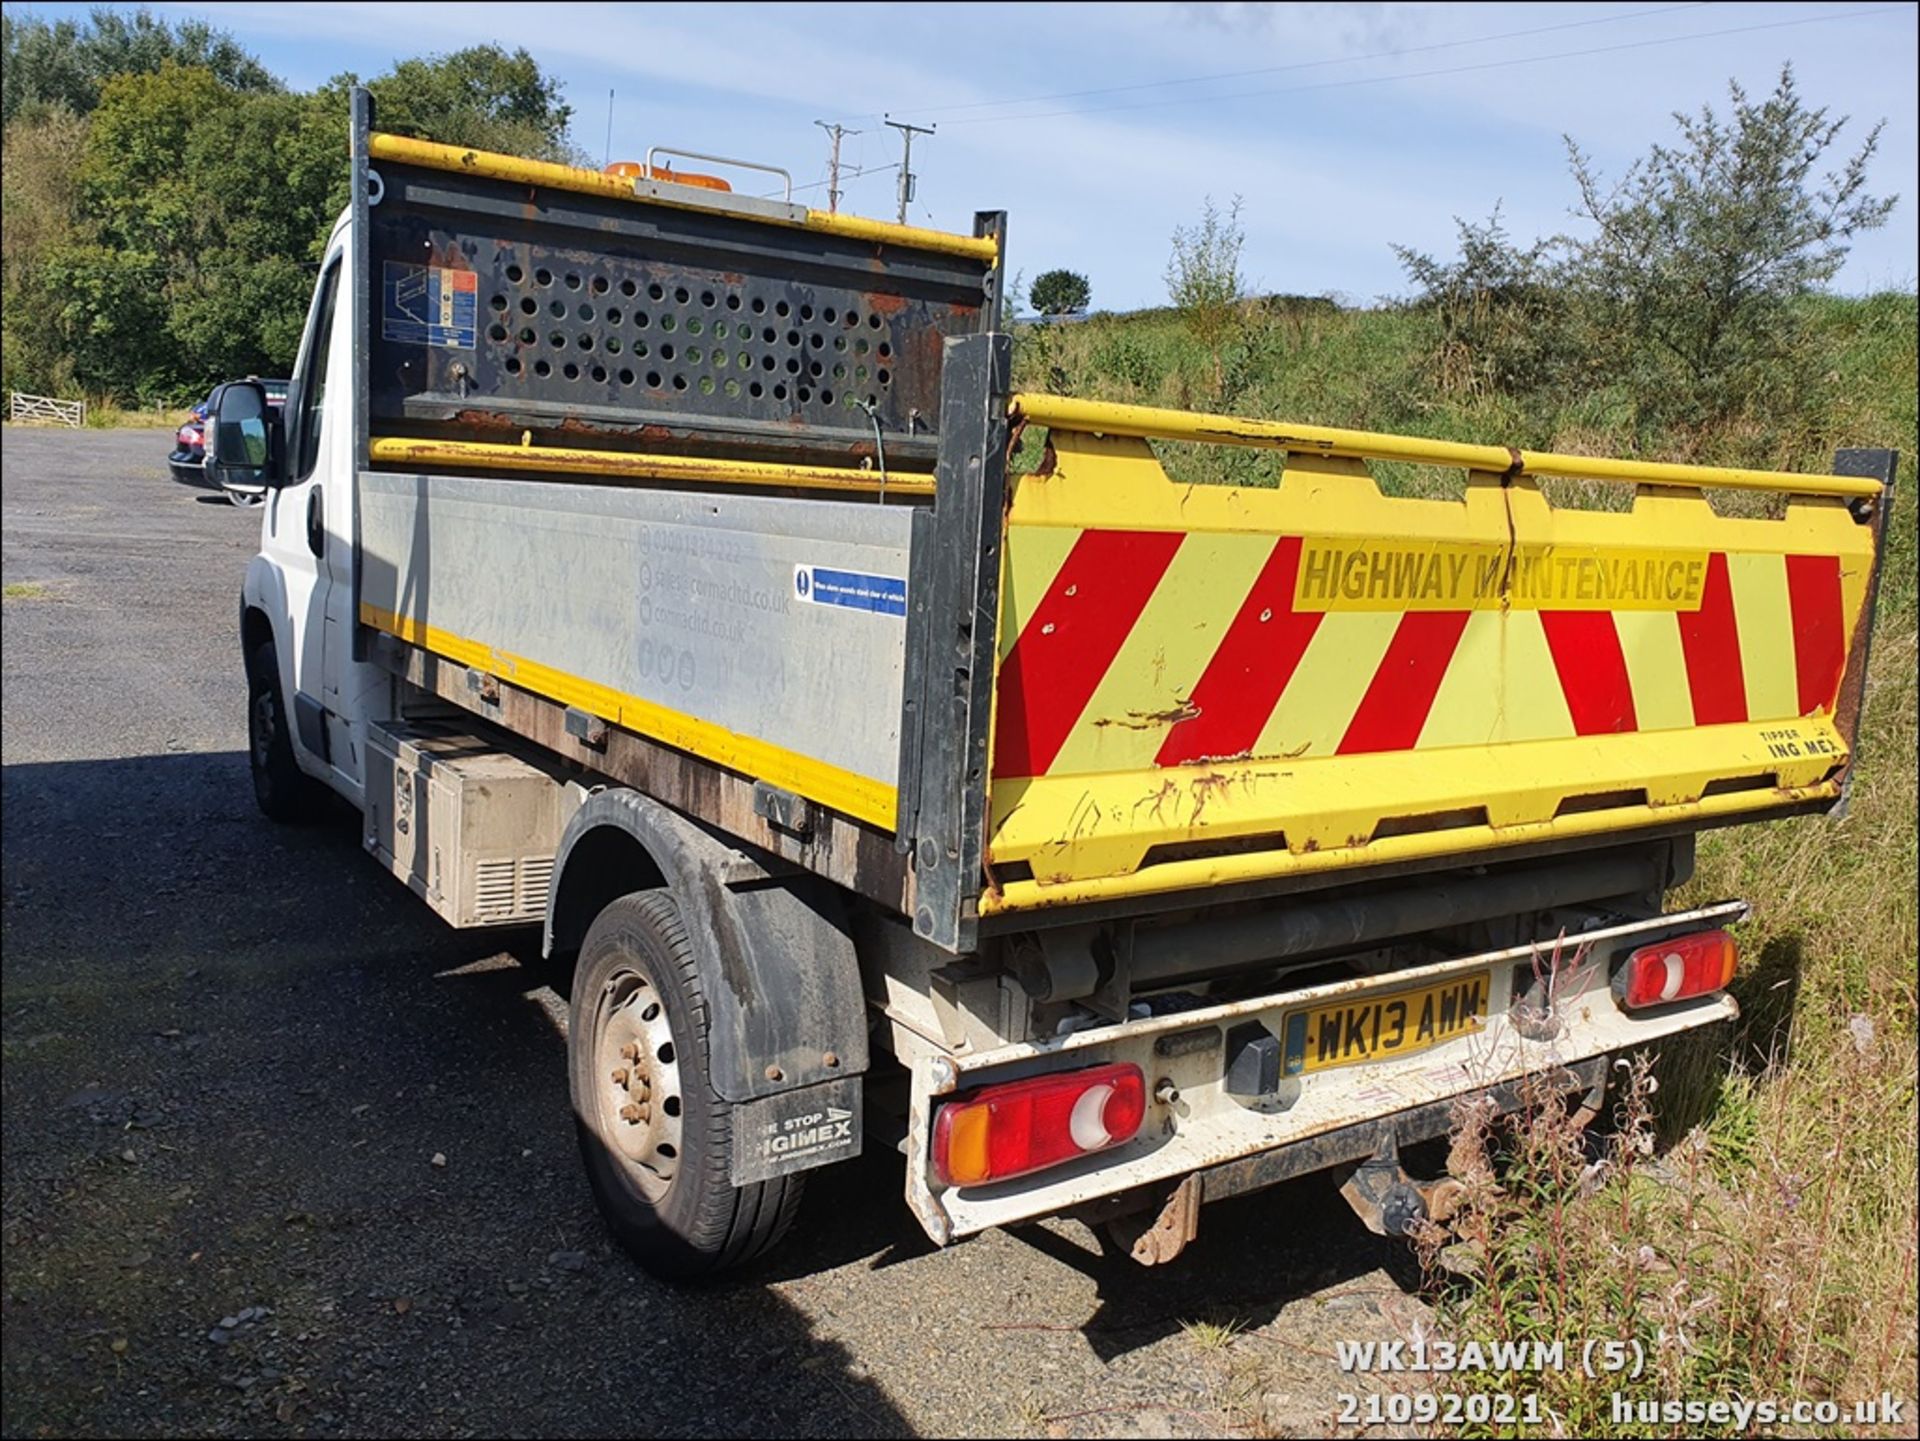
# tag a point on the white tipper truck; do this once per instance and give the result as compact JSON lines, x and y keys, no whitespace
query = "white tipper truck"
{"x":904,"y":761}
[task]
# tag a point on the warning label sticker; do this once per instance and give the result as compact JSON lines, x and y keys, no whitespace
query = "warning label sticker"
{"x":429,"y":305}
{"x":851,"y":589}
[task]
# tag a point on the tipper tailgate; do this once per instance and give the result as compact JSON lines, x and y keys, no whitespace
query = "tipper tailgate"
{"x":1201,"y":685}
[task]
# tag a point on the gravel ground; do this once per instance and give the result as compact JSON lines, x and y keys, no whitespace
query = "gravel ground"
{"x":234,"y":1051}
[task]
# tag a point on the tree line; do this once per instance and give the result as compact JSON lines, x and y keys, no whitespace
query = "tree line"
{"x":167,"y":199}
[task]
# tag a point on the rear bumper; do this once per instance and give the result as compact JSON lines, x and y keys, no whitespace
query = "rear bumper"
{"x":1316,"y":1119}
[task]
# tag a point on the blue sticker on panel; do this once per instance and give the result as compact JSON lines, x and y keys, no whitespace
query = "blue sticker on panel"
{"x":429,"y":305}
{"x":851,"y":589}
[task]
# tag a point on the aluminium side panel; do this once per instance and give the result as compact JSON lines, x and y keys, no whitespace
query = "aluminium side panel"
{"x":762,"y":634}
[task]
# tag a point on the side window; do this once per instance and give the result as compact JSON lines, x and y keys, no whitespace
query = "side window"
{"x":312,"y":391}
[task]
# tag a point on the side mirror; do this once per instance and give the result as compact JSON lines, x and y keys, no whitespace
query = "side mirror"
{"x":244,"y":451}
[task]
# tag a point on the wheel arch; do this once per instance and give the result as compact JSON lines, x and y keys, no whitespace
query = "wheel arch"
{"x":774,"y":946}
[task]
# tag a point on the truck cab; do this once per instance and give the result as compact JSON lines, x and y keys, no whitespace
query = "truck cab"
{"x":901,"y":759}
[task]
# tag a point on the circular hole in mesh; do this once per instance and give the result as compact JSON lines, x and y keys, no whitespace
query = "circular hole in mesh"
{"x":681,"y":295}
{"x":818,"y":342}
{"x":541,"y":368}
{"x":756,"y":390}
{"x":599,"y":373}
{"x":718,"y":359}
{"x":557,"y":341}
{"x":625,"y":377}
{"x":583,"y":340}
{"x":666,"y":352}
{"x":829,"y":315}
{"x":839,"y":372}
{"x":629,"y":289}
{"x":573,"y":281}
{"x":653,"y":380}
{"x":873,"y":321}
{"x":654,"y":292}
{"x":793,"y":337}
{"x":803,"y":394}
{"x":557,"y":309}
{"x":693,"y":355}
{"x":885,"y":350}
{"x":679,"y":382}
{"x":886,"y":377}
{"x":816,"y":369}
{"x":743,"y":360}
{"x":515,"y":275}
{"x":583,"y":310}
{"x":641,"y":319}
{"x":860,"y":347}
{"x":759,"y":306}
{"x":496,"y":332}
{"x":529,"y":306}
{"x":613,"y":345}
{"x":695,"y":325}
{"x":709,"y":299}
{"x":779,"y":392}
{"x":769,"y":334}
{"x":852,"y":402}
{"x":527,"y":337}
{"x":733,"y":302}
{"x":615,"y":315}
{"x":543,"y":276}
{"x":499,"y":303}
{"x":860,"y":372}
{"x":840,"y":342}
{"x":513,"y":365}
{"x":640,"y":349}
{"x":570,"y":370}
{"x":781,"y":309}
{"x":668,"y":322}
{"x":733,"y":389}
{"x":766,"y":362}
{"x":826,"y":397}
{"x":793,"y":366}
{"x":706,"y":385}
{"x":599,"y":285}
{"x":806,"y":312}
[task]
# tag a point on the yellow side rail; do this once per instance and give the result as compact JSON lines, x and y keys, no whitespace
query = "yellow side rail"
{"x":1152,"y":423}
{"x":403,"y":150}
{"x":573,"y":460}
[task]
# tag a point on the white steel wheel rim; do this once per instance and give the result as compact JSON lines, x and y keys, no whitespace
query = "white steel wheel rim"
{"x":637,"y":1081}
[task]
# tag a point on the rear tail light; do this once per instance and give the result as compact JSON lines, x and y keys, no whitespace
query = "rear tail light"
{"x":1025,"y":1126}
{"x":1675,"y":970}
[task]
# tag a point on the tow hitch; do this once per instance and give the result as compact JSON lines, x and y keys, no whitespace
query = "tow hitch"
{"x":1389,"y":1202}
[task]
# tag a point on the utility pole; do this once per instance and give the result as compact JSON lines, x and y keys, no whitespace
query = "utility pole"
{"x":833,"y":163}
{"x":907,"y":132}
{"x":607,"y":155}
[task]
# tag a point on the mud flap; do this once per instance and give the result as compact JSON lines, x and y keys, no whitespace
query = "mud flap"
{"x":796,"y":1131}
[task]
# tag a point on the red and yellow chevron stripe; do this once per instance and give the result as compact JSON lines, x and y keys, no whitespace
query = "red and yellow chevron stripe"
{"x":1177,"y":661}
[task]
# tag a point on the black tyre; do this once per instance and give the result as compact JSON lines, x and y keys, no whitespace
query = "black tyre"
{"x":655,"y":1136}
{"x":283,"y":790}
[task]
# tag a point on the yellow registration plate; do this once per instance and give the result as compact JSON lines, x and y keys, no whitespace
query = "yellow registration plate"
{"x":1380,"y":1027}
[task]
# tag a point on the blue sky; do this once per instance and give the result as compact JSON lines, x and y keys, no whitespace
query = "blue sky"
{"x":1344,"y":127}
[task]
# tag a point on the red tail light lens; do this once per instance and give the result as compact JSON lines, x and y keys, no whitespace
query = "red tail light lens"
{"x":1026,"y":1126}
{"x":1676,"y":970}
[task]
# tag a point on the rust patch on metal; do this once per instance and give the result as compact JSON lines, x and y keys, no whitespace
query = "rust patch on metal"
{"x":885,"y":304}
{"x":1143,"y":720}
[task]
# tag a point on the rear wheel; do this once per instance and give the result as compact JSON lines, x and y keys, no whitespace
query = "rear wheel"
{"x":656,"y":1138}
{"x":284,"y":792}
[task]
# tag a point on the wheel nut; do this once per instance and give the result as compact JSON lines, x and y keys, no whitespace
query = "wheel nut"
{"x":630,"y":1052}
{"x":620,"y":1076}
{"x":630,"y":1113}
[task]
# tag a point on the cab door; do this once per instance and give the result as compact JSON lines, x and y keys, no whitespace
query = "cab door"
{"x":296,"y":536}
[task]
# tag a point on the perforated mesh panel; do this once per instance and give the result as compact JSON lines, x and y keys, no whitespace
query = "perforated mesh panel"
{"x":659,"y":327}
